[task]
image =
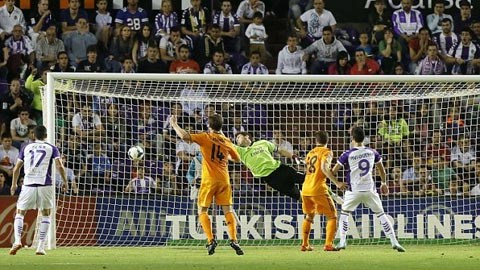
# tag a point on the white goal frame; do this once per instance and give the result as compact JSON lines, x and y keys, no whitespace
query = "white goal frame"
{"x":49,"y":95}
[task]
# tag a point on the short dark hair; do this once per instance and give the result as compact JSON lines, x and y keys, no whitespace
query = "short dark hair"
{"x":447,"y":20}
{"x":184,"y":46}
{"x":321,"y":137}
{"x":327,"y":28}
{"x":358,"y":134}
{"x":60,"y":53}
{"x":465,"y":3}
{"x":258,"y":14}
{"x":175,"y":28}
{"x":6,"y":135}
{"x":215,"y":122}
{"x":92,"y":48}
{"x":442,"y":2}
{"x":40,"y":132}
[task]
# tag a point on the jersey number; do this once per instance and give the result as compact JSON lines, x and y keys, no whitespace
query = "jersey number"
{"x":364,"y":166}
{"x":311,"y":165}
{"x":42,"y":155}
{"x":134,"y":23}
{"x":216,"y":153}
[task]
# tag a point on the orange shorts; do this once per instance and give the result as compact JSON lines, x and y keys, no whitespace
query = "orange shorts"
{"x":320,"y":204}
{"x":222,"y":192}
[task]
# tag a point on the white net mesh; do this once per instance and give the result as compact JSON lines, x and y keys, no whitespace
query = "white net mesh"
{"x":425,"y":130}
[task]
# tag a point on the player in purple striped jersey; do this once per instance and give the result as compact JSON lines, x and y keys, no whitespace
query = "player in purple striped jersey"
{"x":37,"y":190}
{"x":358,"y":163}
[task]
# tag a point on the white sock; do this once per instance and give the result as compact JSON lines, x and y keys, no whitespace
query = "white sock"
{"x":44,"y":225}
{"x":388,"y":228}
{"x":343,"y":224}
{"x":18,"y":228}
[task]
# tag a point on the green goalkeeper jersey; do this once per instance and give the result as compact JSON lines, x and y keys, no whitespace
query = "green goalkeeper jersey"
{"x":258,"y":157}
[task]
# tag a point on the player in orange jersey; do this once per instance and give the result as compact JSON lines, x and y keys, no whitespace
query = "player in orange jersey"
{"x":315,"y":195}
{"x":216,"y":150}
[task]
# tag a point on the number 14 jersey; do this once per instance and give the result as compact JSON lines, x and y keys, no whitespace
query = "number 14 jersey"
{"x":358,"y":163}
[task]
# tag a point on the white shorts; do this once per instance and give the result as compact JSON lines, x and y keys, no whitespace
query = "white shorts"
{"x":35,"y":198}
{"x":369,"y":198}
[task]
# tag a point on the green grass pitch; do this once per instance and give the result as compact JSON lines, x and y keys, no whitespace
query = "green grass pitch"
{"x":373,"y":257}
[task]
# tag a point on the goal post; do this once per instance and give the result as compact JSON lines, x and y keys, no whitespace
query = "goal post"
{"x":425,"y":128}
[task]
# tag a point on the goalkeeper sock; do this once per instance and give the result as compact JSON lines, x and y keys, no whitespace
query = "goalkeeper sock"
{"x":306,"y":227}
{"x":44,"y":225}
{"x":206,"y":225}
{"x":232,"y":225}
{"x":344,"y":228}
{"x":388,"y":228}
{"x":18,"y":228}
{"x":331,"y":229}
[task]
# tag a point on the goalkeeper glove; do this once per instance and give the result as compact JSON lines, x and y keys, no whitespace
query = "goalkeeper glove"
{"x":298,"y":160}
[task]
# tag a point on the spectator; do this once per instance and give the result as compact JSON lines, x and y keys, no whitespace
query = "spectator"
{"x":87,"y":125}
{"x":194,"y":21}
{"x":62,"y":64}
{"x":97,"y":171}
{"x":185,"y":152}
{"x":475,"y":26}
{"x":257,"y":35}
{"x":30,"y":138}
{"x":390,"y":52}
{"x":326,"y":50}
{"x":165,"y":20}
{"x":407,"y":23}
{"x":394,"y":179}
{"x":316,"y":20}
{"x":290,"y":58}
{"x":217,"y":65}
{"x":184,"y":64}
{"x":281,"y":142}
{"x":230,"y":27}
{"x":8,"y":154}
{"x":247,"y":8}
{"x":192,"y":91}
{"x":152,"y":64}
{"x":210,"y":43}
{"x":463,"y":161}
{"x":399,"y":69}
{"x":425,"y":186}
{"x":169,"y":45}
{"x":127,"y":65}
{"x":69,"y":18}
{"x":3,"y":61}
{"x":297,"y":8}
{"x":432,"y":64}
{"x":39,"y":21}
{"x":122,"y":44}
{"x":141,"y":184}
{"x":103,"y":23}
{"x":22,"y":55}
{"x":364,"y":65}
{"x":4,"y":187}
{"x":418,"y":47}
{"x":10,"y":16}
{"x":12,"y":102}
{"x":444,"y":176}
{"x":411,"y":176}
{"x":131,"y":15}
{"x":168,"y":183}
{"x":341,"y":66}
{"x":434,"y":20}
{"x":77,"y":42}
{"x":379,"y":19}
{"x":445,"y":41}
{"x":254,"y":66}
{"x":365,"y":44}
{"x":19,"y":127}
{"x":48,"y":48}
{"x":35,"y":87}
{"x":116,"y":130}
{"x":437,"y":148}
{"x":169,"y":138}
{"x":465,"y":55}
{"x":143,"y":38}
{"x":91,"y":64}
{"x":464,"y":18}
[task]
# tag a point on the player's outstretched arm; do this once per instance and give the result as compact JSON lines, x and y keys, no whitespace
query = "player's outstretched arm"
{"x":16,"y":174}
{"x":182,"y":133}
{"x":326,"y":169}
{"x":383,"y":176}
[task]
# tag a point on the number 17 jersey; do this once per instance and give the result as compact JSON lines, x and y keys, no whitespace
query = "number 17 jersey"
{"x":37,"y":159}
{"x":358,"y":163}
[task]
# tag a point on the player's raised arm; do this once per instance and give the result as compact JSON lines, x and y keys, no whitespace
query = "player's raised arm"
{"x":63,"y":174}
{"x":16,"y":174}
{"x":182,"y":133}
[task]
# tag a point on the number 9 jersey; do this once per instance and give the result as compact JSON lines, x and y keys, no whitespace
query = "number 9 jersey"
{"x":358,"y":163}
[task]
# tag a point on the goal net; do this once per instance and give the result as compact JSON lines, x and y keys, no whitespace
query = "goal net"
{"x":426,"y":129}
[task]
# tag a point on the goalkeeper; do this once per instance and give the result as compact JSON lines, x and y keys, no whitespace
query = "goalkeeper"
{"x":258,"y":157}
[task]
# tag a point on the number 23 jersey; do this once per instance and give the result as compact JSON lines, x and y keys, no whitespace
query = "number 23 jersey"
{"x":358,"y":163}
{"x":215,"y":150}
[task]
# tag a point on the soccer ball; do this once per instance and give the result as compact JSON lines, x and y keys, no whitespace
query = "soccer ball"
{"x":136,"y":152}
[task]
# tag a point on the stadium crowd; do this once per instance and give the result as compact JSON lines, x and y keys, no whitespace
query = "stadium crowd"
{"x":425,"y":154}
